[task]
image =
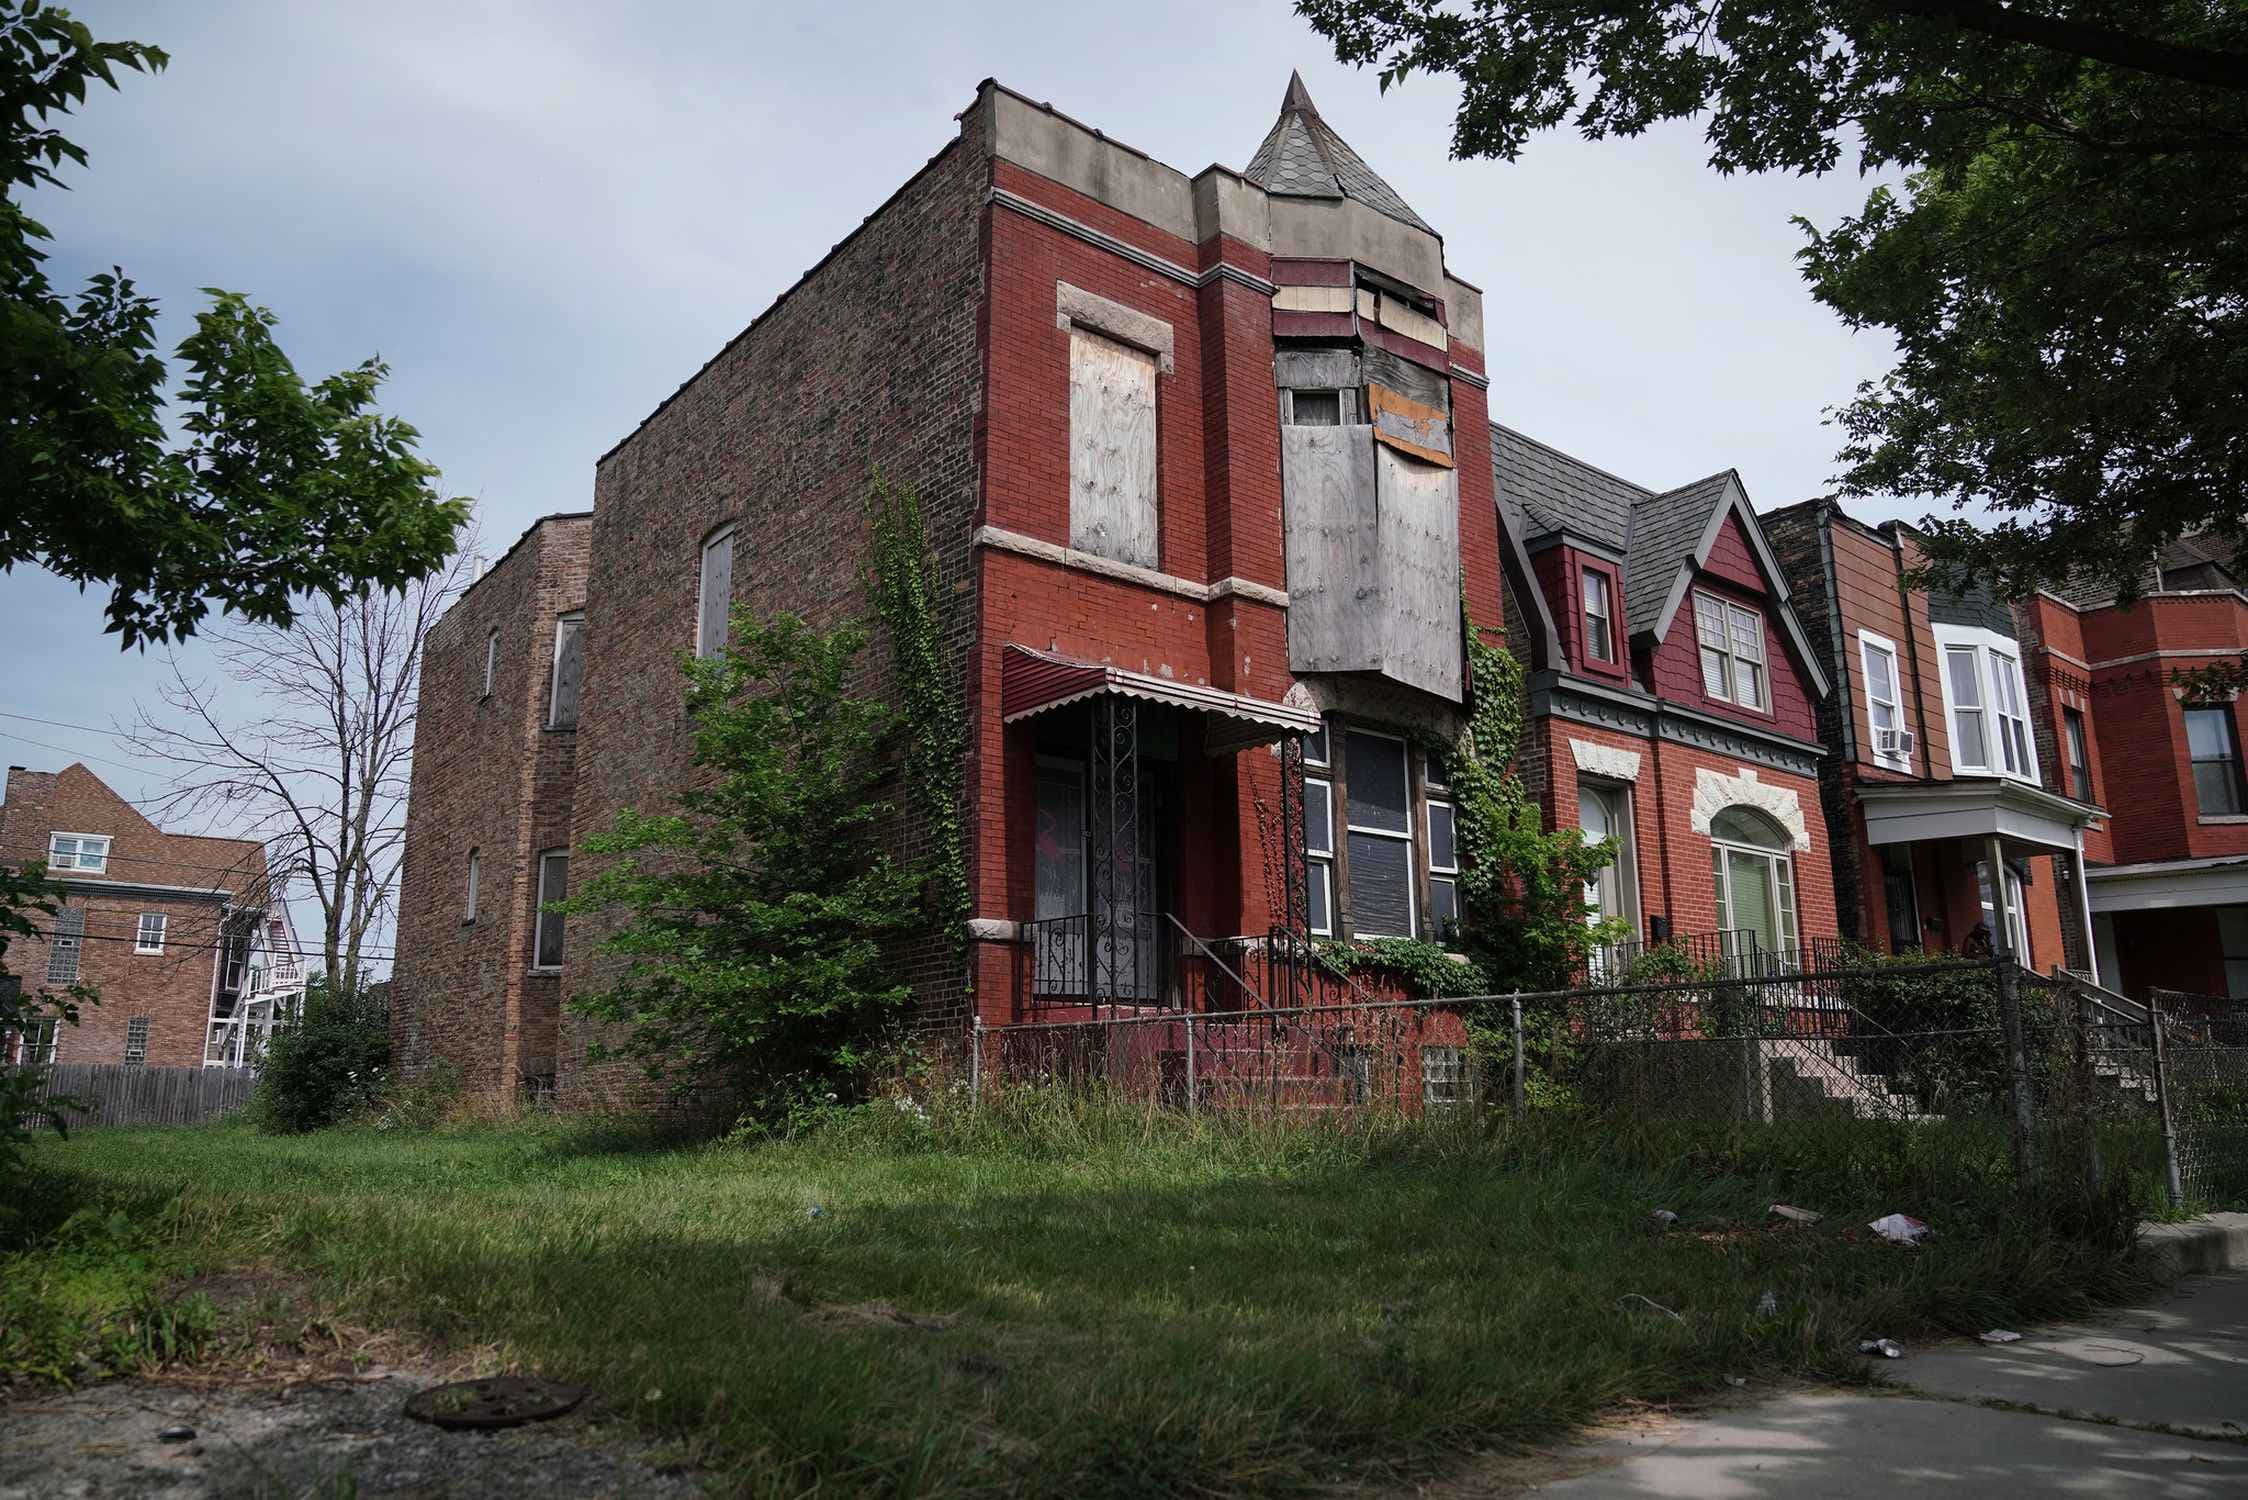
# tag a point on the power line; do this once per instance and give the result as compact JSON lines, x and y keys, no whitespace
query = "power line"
{"x":301,"y":950}
{"x":25,"y":739}
{"x":107,"y":734}
{"x":148,"y":859}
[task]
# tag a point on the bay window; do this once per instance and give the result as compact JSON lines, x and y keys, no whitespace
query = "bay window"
{"x":1319,"y":838}
{"x":2215,"y":748}
{"x":1604,"y":812}
{"x":1379,"y":837}
{"x":1986,"y":701}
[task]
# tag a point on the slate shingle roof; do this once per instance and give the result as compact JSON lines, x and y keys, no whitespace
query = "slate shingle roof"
{"x":1302,"y":157}
{"x":1547,"y":490}
{"x":1665,"y":529}
{"x":1542,"y":490}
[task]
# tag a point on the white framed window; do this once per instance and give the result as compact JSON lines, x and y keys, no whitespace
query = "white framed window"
{"x":1112,"y":463}
{"x":1731,"y":638}
{"x":150,"y":936}
{"x":87,"y":853}
{"x":136,"y":1041}
{"x":491,"y":660}
{"x":1319,"y":855}
{"x":1885,"y":702}
{"x":1443,"y":869}
{"x":1985,"y":703}
{"x":554,"y":885}
{"x":1604,"y":812}
{"x":38,"y":1042}
{"x":569,"y":671}
{"x":1600,"y":615}
{"x":1754,"y":875}
{"x":475,"y":878}
{"x":1378,"y":794}
{"x":714,"y":591}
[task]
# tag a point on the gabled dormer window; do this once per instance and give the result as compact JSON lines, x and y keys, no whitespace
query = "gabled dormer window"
{"x":1732,"y":650}
{"x":1600,"y":616}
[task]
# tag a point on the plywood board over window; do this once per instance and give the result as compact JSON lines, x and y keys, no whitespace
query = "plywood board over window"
{"x":1111,"y":449}
{"x":1411,"y":426}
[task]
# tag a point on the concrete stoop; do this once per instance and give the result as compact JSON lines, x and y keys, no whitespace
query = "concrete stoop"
{"x":2205,"y":1246}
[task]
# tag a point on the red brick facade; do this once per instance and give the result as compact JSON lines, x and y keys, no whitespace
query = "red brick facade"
{"x":938,"y":346}
{"x":158,"y":981}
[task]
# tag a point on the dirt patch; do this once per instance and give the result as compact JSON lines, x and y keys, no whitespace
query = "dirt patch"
{"x":329,"y":1436}
{"x":289,"y":1402}
{"x":850,"y":1315}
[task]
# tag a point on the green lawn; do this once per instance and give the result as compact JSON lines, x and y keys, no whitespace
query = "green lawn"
{"x":1070,"y":1301}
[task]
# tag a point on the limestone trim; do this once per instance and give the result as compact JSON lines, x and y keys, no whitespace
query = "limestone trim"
{"x":1074,"y":307}
{"x":1611,"y":761}
{"x":1714,"y":791}
{"x":1224,"y":270}
{"x":1170,"y":583}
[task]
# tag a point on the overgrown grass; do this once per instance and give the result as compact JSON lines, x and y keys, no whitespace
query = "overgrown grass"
{"x":1056,"y":1297}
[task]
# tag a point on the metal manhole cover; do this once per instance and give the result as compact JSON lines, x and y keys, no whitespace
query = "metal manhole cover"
{"x":494,"y":1401}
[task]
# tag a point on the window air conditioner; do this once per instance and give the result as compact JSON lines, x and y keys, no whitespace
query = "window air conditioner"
{"x":1892,"y":744}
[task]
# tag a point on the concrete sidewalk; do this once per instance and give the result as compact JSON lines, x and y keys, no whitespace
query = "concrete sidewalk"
{"x":2148,"y":1401}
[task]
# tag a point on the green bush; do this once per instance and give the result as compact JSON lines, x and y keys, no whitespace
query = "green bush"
{"x":325,"y":1066}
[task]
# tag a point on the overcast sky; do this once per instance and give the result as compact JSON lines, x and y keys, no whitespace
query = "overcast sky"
{"x":545,"y":216}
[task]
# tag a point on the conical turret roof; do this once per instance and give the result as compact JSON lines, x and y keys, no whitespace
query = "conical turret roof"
{"x":1302,"y":157}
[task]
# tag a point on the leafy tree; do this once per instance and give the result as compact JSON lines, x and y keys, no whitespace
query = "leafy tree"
{"x":23,"y":1105}
{"x":755,"y":915}
{"x":278,"y":490}
{"x":328,"y":1063}
{"x":2065,"y":270}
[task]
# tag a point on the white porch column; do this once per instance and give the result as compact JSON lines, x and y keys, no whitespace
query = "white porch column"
{"x":2002,"y":919}
{"x":2084,"y":910}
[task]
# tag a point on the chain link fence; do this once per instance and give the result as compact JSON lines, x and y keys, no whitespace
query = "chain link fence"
{"x":2065,"y":1077}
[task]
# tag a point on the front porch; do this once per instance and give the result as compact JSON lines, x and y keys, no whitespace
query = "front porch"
{"x":1980,"y":866}
{"x":2173,"y":925}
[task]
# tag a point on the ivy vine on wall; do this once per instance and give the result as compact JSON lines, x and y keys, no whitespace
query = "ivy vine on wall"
{"x":930,"y":712}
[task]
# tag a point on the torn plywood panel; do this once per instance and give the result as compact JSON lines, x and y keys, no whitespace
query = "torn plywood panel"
{"x":1111,"y":449}
{"x":1410,"y":426}
{"x":1334,"y":584}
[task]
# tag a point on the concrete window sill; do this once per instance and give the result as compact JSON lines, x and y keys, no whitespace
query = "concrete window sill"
{"x":2223,"y":818}
{"x":538,"y":973}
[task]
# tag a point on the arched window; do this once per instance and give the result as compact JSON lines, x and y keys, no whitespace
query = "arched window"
{"x":1755,"y":879}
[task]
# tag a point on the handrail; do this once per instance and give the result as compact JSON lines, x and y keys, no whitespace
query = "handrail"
{"x":1311,"y":955}
{"x":2103,"y":997}
{"x":1223,"y":967}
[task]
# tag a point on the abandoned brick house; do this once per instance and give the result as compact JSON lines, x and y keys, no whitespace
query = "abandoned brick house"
{"x":1208,"y":471}
{"x":180,"y":934}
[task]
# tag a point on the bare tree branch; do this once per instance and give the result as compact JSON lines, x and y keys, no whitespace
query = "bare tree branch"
{"x":319,"y":770}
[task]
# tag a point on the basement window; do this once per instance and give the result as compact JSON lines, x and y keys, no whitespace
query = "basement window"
{"x":136,"y":1041}
{"x":1443,"y":1079}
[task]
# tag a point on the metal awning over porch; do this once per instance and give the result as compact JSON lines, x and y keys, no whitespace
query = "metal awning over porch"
{"x":1032,"y":682}
{"x":1980,"y":807}
{"x":2221,"y":880}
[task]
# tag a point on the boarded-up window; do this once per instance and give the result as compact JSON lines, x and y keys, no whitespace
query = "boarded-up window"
{"x":554,"y":885}
{"x":716,"y":593}
{"x":69,"y":935}
{"x":1111,"y":449}
{"x":569,"y":671}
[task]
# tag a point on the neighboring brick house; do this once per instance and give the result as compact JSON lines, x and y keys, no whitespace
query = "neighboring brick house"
{"x":180,"y":934}
{"x":2168,"y":876}
{"x":1673,"y":704}
{"x":1936,"y":769}
{"x":1207,"y":470}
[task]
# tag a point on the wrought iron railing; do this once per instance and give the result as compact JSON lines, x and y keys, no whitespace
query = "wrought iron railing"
{"x":1733,"y":953}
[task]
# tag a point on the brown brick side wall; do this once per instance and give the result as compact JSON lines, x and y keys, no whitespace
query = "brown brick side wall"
{"x":870,"y":364}
{"x":489,"y":777}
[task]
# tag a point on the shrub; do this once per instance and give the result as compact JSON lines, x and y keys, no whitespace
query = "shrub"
{"x":325,"y":1066}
